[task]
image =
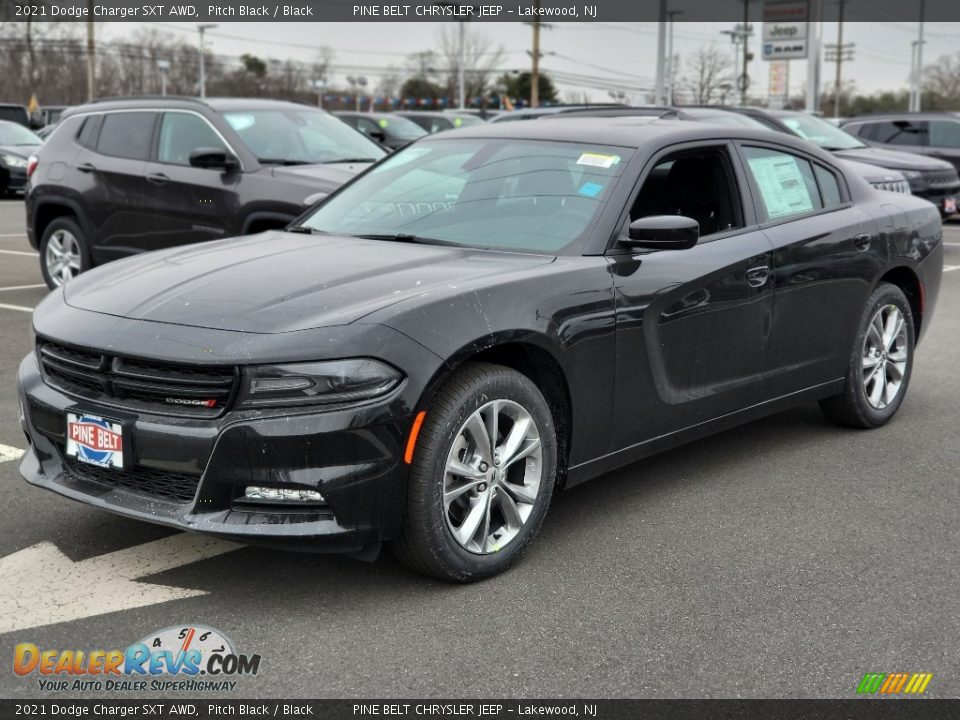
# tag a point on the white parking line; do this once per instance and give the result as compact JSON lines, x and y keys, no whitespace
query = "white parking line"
{"x":19,"y":252}
{"x":19,"y":235}
{"x":950,"y":268}
{"x":9,"y":453}
{"x":20,"y":308}
{"x":23,"y":287}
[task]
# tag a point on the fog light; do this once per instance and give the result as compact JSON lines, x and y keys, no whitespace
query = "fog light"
{"x":254,"y":492}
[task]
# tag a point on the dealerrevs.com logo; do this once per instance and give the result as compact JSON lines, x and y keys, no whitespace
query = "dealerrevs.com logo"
{"x":189,"y":658}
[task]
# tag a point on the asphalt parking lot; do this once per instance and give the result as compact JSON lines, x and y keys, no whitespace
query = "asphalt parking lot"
{"x":785,"y":558}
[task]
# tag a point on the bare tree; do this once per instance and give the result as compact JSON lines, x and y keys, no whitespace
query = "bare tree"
{"x":480,"y":59}
{"x":708,"y":70}
{"x":942,"y":79}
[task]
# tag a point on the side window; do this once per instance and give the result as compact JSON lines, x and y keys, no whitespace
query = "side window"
{"x":368,"y":127}
{"x":699,"y":184}
{"x":181,"y":134}
{"x":89,"y":130}
{"x":786,"y":182}
{"x":945,"y":133}
{"x":899,"y":132}
{"x":127,"y":135}
{"x":829,"y":187}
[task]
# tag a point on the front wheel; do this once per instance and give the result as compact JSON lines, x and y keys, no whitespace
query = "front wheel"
{"x":63,"y":252}
{"x":880,"y":364}
{"x":482,"y":475}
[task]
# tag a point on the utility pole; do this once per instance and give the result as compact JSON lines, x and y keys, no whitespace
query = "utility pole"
{"x":671,"y":70}
{"x":839,"y":53}
{"x":91,"y":55}
{"x":461,"y":81}
{"x":535,"y":57}
{"x":916,"y":80}
{"x":744,"y":80}
{"x":203,"y":70}
{"x":813,"y":56}
{"x":661,"y":42}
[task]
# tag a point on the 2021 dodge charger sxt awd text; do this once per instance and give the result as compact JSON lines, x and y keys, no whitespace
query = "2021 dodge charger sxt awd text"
{"x":473,"y":323}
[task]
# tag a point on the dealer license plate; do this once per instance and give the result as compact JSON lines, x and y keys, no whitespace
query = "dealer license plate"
{"x":95,"y":440}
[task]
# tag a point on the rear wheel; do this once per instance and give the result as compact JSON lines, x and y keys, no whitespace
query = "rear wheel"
{"x":63,"y":252}
{"x":482,"y":476}
{"x":879,"y":369}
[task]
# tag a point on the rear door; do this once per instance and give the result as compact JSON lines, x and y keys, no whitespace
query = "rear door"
{"x":824,"y":260}
{"x":188,"y":204}
{"x":119,"y":196}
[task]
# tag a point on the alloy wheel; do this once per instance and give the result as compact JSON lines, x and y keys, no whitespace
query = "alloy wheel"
{"x":62,"y":257}
{"x":492,"y":476}
{"x":885,"y":356}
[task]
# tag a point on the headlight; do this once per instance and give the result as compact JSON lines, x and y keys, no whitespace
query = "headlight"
{"x":319,"y":383}
{"x":13,"y":160}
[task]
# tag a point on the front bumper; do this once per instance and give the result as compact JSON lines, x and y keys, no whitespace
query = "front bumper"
{"x":13,"y":179}
{"x":351,"y":456}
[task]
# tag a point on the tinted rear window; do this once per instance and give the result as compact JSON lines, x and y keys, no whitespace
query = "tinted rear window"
{"x":127,"y":135}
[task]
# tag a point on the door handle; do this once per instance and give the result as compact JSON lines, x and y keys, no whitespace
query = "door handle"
{"x":86,"y":168}
{"x":862,"y":241}
{"x":758,"y":276}
{"x":157,"y":178}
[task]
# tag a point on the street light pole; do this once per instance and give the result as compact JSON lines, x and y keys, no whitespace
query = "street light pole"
{"x":661,"y":41}
{"x":203,"y":70}
{"x":671,"y":70}
{"x":916,"y":82}
{"x":461,"y":80}
{"x":91,"y":55}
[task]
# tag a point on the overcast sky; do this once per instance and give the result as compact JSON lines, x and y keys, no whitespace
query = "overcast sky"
{"x":616,"y":52}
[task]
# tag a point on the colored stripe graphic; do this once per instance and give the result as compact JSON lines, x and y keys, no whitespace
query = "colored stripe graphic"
{"x":894,"y":683}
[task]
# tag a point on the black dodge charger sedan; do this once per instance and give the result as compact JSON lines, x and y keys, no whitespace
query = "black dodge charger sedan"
{"x":471,"y":324}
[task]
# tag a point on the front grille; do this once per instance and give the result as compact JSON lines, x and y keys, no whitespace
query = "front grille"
{"x":143,"y":480}
{"x":941,"y":179}
{"x":138,"y":384}
{"x":897,"y":186}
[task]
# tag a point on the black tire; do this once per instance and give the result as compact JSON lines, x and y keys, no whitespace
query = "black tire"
{"x":426,"y":542}
{"x":60,"y":226}
{"x":852,"y":407}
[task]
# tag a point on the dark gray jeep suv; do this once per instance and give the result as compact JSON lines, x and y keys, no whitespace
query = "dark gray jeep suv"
{"x":118,"y":177}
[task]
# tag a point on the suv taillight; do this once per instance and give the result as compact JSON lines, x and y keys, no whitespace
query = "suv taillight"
{"x":31,"y":165}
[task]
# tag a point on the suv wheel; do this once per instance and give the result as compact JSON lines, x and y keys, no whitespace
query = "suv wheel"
{"x":63,"y":252}
{"x":482,"y":476}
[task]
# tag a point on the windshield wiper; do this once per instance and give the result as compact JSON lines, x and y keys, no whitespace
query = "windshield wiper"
{"x":406,"y":237}
{"x":348,"y":160}
{"x":282,"y":161}
{"x":304,"y":230}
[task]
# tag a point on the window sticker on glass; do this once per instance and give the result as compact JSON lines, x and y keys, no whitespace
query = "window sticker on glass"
{"x":781,"y":184}
{"x":590,"y":189}
{"x":598,"y":160}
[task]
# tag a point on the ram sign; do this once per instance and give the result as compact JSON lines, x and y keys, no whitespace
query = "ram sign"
{"x":785,"y":30}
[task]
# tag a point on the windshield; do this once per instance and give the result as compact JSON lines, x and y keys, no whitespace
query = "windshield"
{"x":466,"y":121}
{"x":525,"y":195}
{"x":820,"y":132}
{"x":300,"y":137}
{"x":401,"y":128}
{"x":13,"y":134}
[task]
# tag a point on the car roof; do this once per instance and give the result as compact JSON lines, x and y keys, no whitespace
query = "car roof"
{"x":648,"y":133}
{"x":182,"y":103}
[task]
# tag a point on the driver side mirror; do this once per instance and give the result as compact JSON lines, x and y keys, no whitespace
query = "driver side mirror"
{"x":213,"y":159}
{"x":663,"y":232}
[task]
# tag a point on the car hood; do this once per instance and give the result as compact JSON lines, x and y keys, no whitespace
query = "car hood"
{"x":282,"y":282}
{"x":893,"y":159}
{"x":24,"y":151}
{"x":327,"y":176}
{"x":872,"y":173}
